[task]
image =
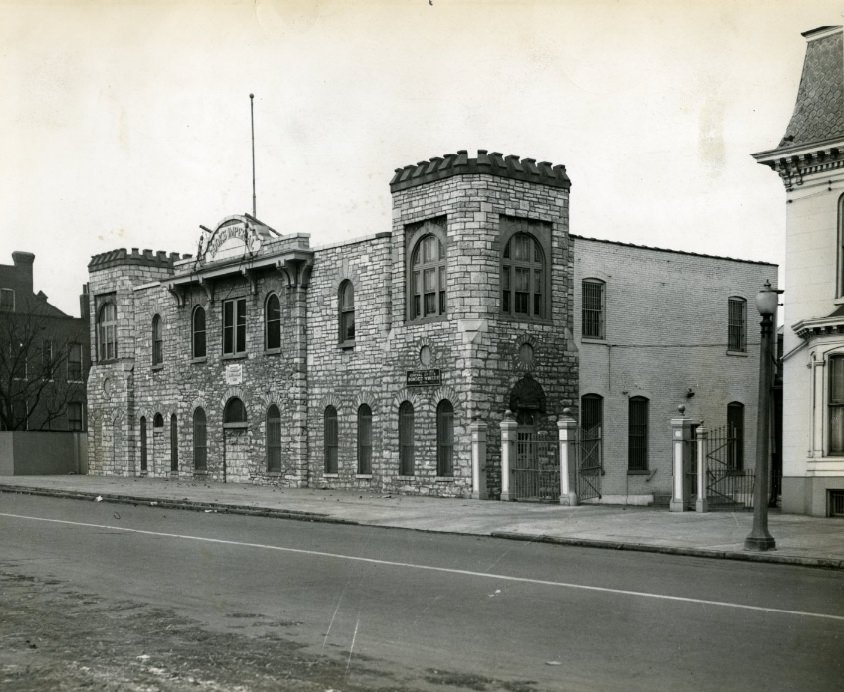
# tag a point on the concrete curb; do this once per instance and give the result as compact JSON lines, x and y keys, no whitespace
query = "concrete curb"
{"x":298,"y":515}
{"x":817,"y":562}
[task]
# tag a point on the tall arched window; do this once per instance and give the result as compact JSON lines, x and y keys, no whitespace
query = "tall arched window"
{"x":157,"y":422}
{"x":735,"y":436}
{"x":637,"y":434}
{"x":157,"y":341}
{"x":198,"y":332}
{"x":364,"y":439}
{"x":143,"y":433}
{"x":272,"y":323}
{"x":107,"y":332}
{"x":445,"y":438}
{"x":346,"y":310}
{"x":200,"y":441}
{"x":174,"y":444}
{"x":523,"y":277}
{"x":234,"y":414}
{"x":427,"y":275}
{"x":330,"y":434}
{"x":407,"y":449}
{"x":273,"y":439}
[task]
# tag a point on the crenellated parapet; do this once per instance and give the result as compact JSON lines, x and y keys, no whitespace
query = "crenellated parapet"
{"x":145,"y":258}
{"x":486,"y":163}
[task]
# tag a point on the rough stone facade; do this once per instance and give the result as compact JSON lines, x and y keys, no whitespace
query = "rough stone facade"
{"x":466,"y":309}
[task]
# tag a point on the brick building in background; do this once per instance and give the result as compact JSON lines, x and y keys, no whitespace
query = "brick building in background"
{"x":810,"y":161}
{"x":44,"y":355}
{"x":376,"y":362}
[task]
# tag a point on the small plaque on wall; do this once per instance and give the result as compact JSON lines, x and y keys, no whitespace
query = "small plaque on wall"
{"x":423,"y":378}
{"x":234,"y":373}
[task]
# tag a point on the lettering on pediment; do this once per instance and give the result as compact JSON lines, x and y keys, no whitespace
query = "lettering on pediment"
{"x":234,"y":238}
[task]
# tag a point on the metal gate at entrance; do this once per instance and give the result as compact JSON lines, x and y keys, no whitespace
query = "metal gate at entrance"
{"x":536,"y":473}
{"x":728,"y":485}
{"x":590,"y":464}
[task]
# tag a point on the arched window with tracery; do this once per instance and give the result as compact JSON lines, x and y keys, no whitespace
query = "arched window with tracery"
{"x":523,"y":277}
{"x":427,"y":273}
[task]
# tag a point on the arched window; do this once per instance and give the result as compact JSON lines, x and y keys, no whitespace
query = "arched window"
{"x":174,"y":445}
{"x":107,"y":332}
{"x":427,"y":277}
{"x":364,"y":439}
{"x":737,"y":324}
{"x":592,"y":431}
{"x":445,"y":438}
{"x":637,"y":434}
{"x":234,"y":414}
{"x":143,"y":433}
{"x":198,"y":331}
{"x":273,"y":439}
{"x":330,"y":433}
{"x":157,"y":422}
{"x":735,"y":436}
{"x":407,"y":448}
{"x":272,"y":323}
{"x":200,"y":441}
{"x":523,"y":277}
{"x":157,"y":341}
{"x":346,"y":309}
{"x":592,"y":300}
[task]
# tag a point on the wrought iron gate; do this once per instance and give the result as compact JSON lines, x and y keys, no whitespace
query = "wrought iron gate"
{"x":590,"y":465}
{"x":536,"y":473}
{"x":727,"y":483}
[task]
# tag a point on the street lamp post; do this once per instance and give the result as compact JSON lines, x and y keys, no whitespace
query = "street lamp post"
{"x":759,"y":539}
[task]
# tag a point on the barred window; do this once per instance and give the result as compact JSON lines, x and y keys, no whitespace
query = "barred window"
{"x":407,"y":448}
{"x":836,"y":404}
{"x":523,"y":277}
{"x":272,"y":323}
{"x":346,"y":309}
{"x":273,"y":439}
{"x":157,"y":341}
{"x":107,"y":332}
{"x":445,"y":438}
{"x":637,"y":439}
{"x":330,"y":434}
{"x":234,"y":327}
{"x":735,"y":436}
{"x":593,"y":297}
{"x":737,"y":325}
{"x":364,"y":439}
{"x":200,"y":441}
{"x":198,"y":333}
{"x":174,"y":444}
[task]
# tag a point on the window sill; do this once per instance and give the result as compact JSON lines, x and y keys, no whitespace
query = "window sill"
{"x":76,"y":381}
{"x":740,"y":354}
{"x":525,"y":318}
{"x":363,"y":476}
{"x":427,"y":320}
{"x":331,"y":475}
{"x":593,"y":340}
{"x":444,"y":479}
{"x":347,"y":345}
{"x":272,"y":351}
{"x":235,"y":426}
{"x":199,"y":359}
{"x":406,"y":478}
{"x":157,"y":367}
{"x":639,"y":472}
{"x":234,"y":356}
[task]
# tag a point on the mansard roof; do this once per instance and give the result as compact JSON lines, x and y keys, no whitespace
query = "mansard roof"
{"x":510,"y":166}
{"x":818,"y":116}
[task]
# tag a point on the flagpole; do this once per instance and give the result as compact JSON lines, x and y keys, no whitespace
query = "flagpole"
{"x":252,"y":114}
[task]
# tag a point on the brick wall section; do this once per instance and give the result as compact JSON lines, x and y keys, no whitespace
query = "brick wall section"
{"x":666,"y":332}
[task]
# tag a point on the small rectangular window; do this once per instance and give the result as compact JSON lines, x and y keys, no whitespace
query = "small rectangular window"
{"x":47,"y":359}
{"x":75,"y":416}
{"x":74,"y":362}
{"x":593,"y":309}
{"x":7,"y":300}
{"x":737,"y":325}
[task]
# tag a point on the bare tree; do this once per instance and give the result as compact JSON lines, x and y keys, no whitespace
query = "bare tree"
{"x":41,"y":368}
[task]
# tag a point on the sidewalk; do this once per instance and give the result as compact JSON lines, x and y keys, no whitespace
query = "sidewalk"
{"x":800,"y":540}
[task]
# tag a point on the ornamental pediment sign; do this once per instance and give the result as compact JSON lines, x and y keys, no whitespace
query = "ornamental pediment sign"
{"x":234,"y":238}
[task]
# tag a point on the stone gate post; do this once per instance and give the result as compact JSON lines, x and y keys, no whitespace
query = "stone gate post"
{"x":681,"y":435}
{"x":567,"y":427}
{"x":700,"y":504}
{"x":508,"y":452}
{"x":478,"y":431}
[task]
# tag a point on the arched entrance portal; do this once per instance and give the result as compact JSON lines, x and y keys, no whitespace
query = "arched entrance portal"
{"x":535,"y":471}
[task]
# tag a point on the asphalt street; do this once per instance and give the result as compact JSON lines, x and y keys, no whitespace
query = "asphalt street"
{"x":401,"y":609}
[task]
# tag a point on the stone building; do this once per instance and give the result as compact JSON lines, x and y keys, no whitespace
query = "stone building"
{"x":810,"y":162}
{"x":43,"y":355}
{"x":382,"y":361}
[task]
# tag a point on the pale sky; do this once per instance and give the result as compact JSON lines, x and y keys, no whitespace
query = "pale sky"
{"x":126,"y":124}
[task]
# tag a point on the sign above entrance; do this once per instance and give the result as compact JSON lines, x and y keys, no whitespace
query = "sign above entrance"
{"x":234,"y":238}
{"x":423,"y":378}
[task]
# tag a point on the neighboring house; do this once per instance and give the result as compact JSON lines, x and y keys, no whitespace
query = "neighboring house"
{"x":810,"y":161}
{"x":374,"y":362}
{"x":44,"y":355}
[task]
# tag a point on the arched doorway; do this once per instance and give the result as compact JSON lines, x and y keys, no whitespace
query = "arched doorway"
{"x":535,"y":469}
